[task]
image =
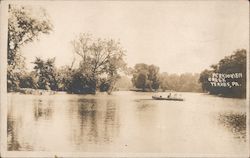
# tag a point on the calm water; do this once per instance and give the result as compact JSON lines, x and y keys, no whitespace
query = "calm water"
{"x":126,"y":122}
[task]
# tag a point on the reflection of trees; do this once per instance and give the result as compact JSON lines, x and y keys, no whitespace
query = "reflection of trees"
{"x":42,"y":109}
{"x":14,"y":141}
{"x":12,"y":131}
{"x":235,"y":122}
{"x":98,"y":121}
{"x":142,"y":105}
{"x":110,"y":122}
{"x":87,"y":114}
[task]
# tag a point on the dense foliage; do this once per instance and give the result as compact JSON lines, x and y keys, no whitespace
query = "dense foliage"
{"x":99,"y":66}
{"x":99,"y":71}
{"x":23,"y":27}
{"x":28,"y":80}
{"x":186,"y":82}
{"x":100,"y":61}
{"x":124,"y":83}
{"x":146,"y":77}
{"x":235,"y":63}
{"x":46,"y":73}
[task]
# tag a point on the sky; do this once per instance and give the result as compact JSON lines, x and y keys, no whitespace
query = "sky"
{"x":177,"y":36}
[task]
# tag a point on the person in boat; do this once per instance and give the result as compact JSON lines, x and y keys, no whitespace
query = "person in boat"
{"x":169,"y":95}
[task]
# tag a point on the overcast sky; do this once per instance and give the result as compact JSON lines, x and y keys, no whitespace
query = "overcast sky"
{"x":177,"y":36}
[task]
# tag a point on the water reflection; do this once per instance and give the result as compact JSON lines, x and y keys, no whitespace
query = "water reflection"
{"x":234,"y":122}
{"x":111,"y":122}
{"x":142,"y":105}
{"x":42,"y":109}
{"x":87,"y":110}
{"x":12,"y":131}
{"x":97,"y":120}
{"x":126,"y":122}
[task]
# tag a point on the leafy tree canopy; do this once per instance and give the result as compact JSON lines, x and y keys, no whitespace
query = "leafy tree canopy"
{"x":24,"y":26}
{"x":100,"y":58}
{"x":235,"y":63}
{"x":146,"y":76}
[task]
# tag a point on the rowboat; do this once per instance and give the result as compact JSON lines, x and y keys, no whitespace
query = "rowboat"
{"x":167,"y":98}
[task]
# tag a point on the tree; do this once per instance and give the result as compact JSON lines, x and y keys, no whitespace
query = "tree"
{"x":46,"y":72}
{"x":123,"y":83}
{"x":153,"y":76}
{"x":28,"y":80}
{"x":100,"y":58}
{"x":206,"y":86}
{"x":189,"y":82}
{"x":64,"y":78}
{"x":140,"y":81}
{"x":79,"y":83}
{"x":164,"y":81}
{"x":23,"y":27}
{"x":186,"y":82}
{"x":146,"y":77}
{"x":235,"y":63}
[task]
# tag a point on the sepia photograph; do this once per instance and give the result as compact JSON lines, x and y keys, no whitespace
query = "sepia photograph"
{"x":124,"y":78}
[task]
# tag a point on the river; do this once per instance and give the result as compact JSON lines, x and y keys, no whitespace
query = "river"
{"x":126,"y":122}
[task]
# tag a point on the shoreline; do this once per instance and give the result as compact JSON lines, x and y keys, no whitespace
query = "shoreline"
{"x":31,"y":91}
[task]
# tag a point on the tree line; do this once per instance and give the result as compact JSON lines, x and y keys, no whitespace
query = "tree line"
{"x":229,"y":65}
{"x":148,"y":78}
{"x":230,"y":80}
{"x":100,"y":62}
{"x":98,"y":69}
{"x":23,"y":28}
